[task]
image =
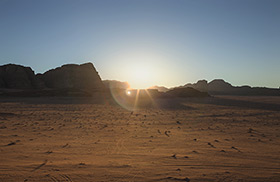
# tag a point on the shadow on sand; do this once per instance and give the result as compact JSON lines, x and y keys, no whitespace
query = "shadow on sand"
{"x":160,"y":103}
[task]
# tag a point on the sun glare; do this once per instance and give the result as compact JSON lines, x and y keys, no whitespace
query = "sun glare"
{"x":141,"y":68}
{"x":141,"y":76}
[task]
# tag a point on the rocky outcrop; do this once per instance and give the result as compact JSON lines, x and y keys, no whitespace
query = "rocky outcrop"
{"x":220,"y":87}
{"x":201,"y":85}
{"x":18,"y":77}
{"x":73,"y":76}
{"x":67,"y":80}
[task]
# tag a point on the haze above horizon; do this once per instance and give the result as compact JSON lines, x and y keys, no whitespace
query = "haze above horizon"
{"x":149,"y":42}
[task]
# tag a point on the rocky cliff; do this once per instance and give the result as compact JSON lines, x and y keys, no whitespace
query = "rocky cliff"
{"x":18,"y":77}
{"x":82,"y":76}
{"x":67,"y":80}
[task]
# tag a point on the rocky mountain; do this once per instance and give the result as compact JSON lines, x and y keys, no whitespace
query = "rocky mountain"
{"x":220,"y":87}
{"x":82,"y":76}
{"x":84,"y":80}
{"x":67,"y":80}
{"x":200,"y":85}
{"x":18,"y":77}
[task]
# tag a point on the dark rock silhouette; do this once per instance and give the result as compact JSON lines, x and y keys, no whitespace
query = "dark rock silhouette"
{"x":220,"y":87}
{"x":159,"y":88}
{"x":84,"y":80}
{"x":201,"y":85}
{"x":18,"y":77}
{"x":73,"y":76}
{"x":67,"y":80}
{"x":114,"y":84}
{"x":186,"y":92}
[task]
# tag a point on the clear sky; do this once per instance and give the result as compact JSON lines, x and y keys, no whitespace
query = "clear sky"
{"x":147,"y":42}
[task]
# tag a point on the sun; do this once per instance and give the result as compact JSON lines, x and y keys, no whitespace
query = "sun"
{"x":141,"y":75}
{"x":141,"y":68}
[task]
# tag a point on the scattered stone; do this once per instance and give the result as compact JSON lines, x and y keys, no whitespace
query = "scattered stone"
{"x":12,"y":143}
{"x":174,"y":156}
{"x":250,"y":130}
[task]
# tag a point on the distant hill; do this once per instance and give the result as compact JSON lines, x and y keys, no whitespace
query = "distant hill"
{"x":220,"y":87}
{"x":159,"y":88}
{"x":178,"y":92}
{"x":116,"y":84}
{"x":186,"y":92}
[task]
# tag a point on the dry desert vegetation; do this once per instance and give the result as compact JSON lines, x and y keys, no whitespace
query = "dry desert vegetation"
{"x":212,"y":139}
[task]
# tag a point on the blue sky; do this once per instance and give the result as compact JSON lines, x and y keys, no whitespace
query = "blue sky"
{"x":153,"y":42}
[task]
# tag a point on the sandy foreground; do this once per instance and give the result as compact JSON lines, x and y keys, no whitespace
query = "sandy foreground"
{"x":219,"y":139}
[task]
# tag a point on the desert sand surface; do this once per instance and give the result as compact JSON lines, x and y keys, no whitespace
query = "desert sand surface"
{"x":215,"y":139}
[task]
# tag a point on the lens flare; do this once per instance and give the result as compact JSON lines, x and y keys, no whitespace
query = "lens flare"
{"x":133,"y":99}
